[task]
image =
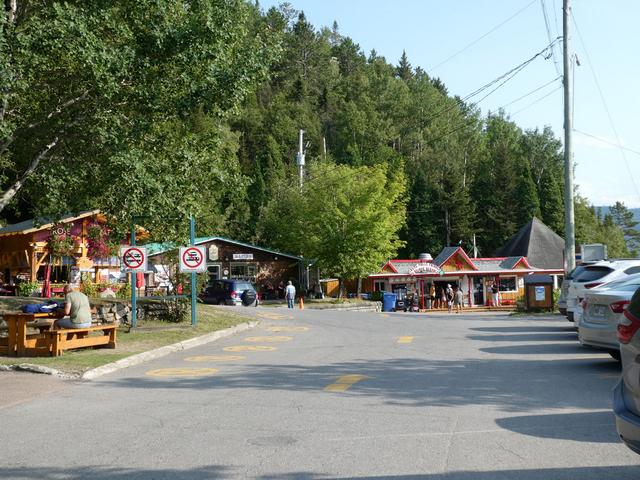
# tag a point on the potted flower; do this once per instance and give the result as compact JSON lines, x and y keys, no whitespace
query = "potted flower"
{"x":61,"y":243}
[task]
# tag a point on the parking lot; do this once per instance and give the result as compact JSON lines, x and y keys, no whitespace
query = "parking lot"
{"x":318,"y":394}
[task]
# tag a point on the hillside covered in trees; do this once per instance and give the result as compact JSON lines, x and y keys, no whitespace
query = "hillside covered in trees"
{"x":164,"y":111}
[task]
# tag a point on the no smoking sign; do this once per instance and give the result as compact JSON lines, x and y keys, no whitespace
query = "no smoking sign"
{"x":192,"y":259}
{"x":134,"y":259}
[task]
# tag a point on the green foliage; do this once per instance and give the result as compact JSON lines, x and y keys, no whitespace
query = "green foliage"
{"x":26,"y":289}
{"x":347,"y":218}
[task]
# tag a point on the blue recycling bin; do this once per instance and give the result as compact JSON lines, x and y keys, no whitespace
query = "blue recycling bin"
{"x":388,"y":302}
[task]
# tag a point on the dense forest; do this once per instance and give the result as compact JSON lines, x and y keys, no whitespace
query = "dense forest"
{"x":161,"y":109}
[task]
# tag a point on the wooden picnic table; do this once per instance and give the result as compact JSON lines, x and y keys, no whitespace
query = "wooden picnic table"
{"x":22,"y":344}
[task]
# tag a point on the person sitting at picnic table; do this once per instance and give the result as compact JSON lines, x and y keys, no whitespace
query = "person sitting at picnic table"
{"x":76,"y":309}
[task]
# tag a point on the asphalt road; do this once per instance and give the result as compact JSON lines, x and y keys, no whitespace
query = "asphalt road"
{"x":312,"y":394}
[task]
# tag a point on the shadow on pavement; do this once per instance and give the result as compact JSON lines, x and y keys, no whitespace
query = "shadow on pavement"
{"x":517,"y":385}
{"x":526,"y":328}
{"x":597,"y":427}
{"x":217,"y":472}
{"x":543,"y":349}
{"x":528,"y":337}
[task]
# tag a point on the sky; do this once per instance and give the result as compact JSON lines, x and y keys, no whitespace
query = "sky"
{"x":468,"y":43}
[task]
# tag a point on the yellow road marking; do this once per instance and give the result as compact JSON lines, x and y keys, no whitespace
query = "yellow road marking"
{"x":344,"y":382}
{"x":268,"y":339}
{"x":182,"y":372}
{"x":215,"y":358}
{"x":405,"y":339}
{"x":288,"y":329}
{"x":249,"y":348}
{"x":274,"y":316}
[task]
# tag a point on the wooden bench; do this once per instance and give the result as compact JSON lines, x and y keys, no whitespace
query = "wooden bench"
{"x":69,"y":338}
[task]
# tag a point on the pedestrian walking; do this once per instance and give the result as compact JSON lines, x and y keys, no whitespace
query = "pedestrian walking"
{"x":449,"y":294}
{"x":290,"y":294}
{"x":458,"y":300}
{"x":495,"y":294}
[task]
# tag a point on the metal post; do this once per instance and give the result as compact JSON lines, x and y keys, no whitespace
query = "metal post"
{"x":569,"y":220}
{"x":300,"y":157}
{"x":134,"y":281}
{"x":192,"y":233}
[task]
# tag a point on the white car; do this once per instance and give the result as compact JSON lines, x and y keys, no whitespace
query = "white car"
{"x":593,"y":276}
{"x":603,"y":308}
{"x":566,"y":283}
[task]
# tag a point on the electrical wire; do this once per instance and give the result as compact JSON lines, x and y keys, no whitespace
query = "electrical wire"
{"x":530,"y":93}
{"x":549,"y":35}
{"x":463,"y":49}
{"x":536,"y":101}
{"x":606,"y":141}
{"x":606,"y":108}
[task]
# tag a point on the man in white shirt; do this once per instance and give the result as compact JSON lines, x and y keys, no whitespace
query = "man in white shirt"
{"x":290,"y":294}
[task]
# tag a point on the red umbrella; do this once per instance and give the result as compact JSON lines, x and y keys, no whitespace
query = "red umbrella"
{"x":46,"y":286}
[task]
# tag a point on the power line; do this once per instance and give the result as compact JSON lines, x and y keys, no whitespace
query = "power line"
{"x":483,"y":36}
{"x":531,"y":92}
{"x":536,"y":101}
{"x":606,"y":141}
{"x":549,"y":35}
{"x":606,"y":108}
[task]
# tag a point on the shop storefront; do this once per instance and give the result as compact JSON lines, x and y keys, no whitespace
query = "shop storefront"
{"x":476,"y":277}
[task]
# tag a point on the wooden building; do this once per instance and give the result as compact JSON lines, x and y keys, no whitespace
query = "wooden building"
{"x":230,"y":259}
{"x":25,"y":255}
{"x":454,"y":267}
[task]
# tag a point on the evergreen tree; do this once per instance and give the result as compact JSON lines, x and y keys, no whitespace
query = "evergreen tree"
{"x":624,"y":219}
{"x":551,"y":203}
{"x":526,"y":202}
{"x":404,"y":70}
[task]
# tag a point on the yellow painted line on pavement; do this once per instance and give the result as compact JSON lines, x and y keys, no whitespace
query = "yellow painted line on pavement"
{"x":182,"y":372}
{"x":277,"y":329}
{"x":274,"y":316}
{"x":405,"y":339}
{"x":249,"y":348}
{"x":280,"y":338}
{"x":215,"y":358}
{"x":344,"y":382}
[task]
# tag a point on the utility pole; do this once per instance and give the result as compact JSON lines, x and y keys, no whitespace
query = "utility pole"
{"x":300,"y":157}
{"x":569,"y":220}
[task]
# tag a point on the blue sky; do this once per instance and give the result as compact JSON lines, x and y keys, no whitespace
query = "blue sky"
{"x":433,"y":33}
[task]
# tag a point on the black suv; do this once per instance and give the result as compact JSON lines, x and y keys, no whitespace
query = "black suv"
{"x":230,"y":292}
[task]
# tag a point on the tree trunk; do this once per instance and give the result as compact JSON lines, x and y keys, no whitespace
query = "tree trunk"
{"x":8,"y":195}
{"x":340,"y":287}
{"x":359,"y":291}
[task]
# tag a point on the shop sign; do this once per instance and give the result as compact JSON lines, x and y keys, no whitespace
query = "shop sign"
{"x":243,"y":256}
{"x":213,"y":252}
{"x":426,"y":268}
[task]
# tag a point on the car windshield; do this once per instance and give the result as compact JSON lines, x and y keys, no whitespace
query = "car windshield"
{"x":575,"y":272}
{"x":243,"y":286}
{"x":592,"y":273}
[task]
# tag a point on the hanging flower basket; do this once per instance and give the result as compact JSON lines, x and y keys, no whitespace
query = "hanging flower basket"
{"x":61,"y":243}
{"x":99,"y":243}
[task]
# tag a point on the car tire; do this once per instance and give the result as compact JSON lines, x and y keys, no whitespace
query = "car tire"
{"x":221,"y":302}
{"x":615,"y":354}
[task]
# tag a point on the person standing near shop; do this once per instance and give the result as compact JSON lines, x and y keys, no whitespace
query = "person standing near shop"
{"x":432,"y":295}
{"x":458,"y":299}
{"x":495,"y":293}
{"x":449,"y":294}
{"x":290,"y":294}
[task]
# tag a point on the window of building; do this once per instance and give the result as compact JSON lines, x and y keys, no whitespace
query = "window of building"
{"x":214,"y":273}
{"x":378,"y":286}
{"x":243,"y":271}
{"x":508,"y":284}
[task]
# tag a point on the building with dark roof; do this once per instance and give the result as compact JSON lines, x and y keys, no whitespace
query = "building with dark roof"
{"x":543,"y":247}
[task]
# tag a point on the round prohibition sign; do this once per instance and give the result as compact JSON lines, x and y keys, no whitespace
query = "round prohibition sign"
{"x":192,"y":257}
{"x":133,"y":258}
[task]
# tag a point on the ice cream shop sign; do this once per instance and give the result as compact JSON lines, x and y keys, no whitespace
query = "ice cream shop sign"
{"x":426,"y":268}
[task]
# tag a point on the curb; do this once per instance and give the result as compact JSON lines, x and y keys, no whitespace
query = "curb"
{"x":166,"y":350}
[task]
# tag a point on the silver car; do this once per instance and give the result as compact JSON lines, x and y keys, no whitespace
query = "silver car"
{"x":566,"y":283}
{"x":603,"y":308}
{"x":626,"y":394}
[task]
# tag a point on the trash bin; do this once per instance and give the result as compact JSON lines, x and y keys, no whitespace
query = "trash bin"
{"x":428,"y":304}
{"x":388,"y":302}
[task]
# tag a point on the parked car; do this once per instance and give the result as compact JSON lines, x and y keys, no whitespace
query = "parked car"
{"x":230,"y":292}
{"x":594,"y":275}
{"x":566,"y":283}
{"x":626,"y":394}
{"x":603,"y":308}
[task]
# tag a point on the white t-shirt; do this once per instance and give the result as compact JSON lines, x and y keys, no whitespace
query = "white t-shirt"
{"x":291,"y":291}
